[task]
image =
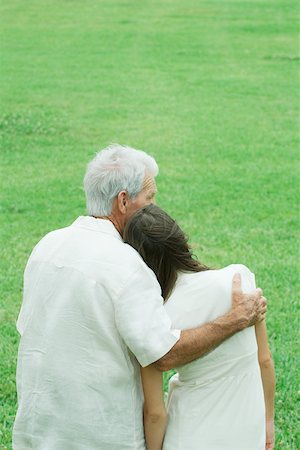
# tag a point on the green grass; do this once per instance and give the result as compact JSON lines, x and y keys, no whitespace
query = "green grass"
{"x":209,"y":88}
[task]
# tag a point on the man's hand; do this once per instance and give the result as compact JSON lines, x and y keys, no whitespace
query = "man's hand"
{"x":249,"y":308}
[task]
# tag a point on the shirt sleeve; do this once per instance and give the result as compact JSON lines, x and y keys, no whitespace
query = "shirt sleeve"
{"x":142,"y":320}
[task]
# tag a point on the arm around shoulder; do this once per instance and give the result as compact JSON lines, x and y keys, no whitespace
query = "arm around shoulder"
{"x":246,"y":310}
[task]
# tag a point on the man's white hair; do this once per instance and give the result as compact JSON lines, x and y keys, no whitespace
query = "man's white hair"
{"x":116,"y":168}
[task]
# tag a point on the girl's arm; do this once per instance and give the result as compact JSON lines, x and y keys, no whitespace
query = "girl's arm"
{"x":268,"y":380}
{"x":155,"y":415}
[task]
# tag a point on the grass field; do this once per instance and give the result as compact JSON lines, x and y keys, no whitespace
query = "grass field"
{"x":211,"y":89}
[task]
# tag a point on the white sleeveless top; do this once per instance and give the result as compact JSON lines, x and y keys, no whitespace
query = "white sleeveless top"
{"x":215,"y":402}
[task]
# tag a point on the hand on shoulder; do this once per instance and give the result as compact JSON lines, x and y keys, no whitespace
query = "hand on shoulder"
{"x":248,"y":308}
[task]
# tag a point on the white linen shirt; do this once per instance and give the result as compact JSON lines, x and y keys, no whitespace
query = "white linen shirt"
{"x":90,"y":304}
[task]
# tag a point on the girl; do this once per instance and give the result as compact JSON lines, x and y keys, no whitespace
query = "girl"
{"x":224,"y":400}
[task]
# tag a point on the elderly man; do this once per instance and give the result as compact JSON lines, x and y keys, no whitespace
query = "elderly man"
{"x":92,"y":311}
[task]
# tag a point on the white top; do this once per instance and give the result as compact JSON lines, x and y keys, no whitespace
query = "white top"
{"x":90,"y":304}
{"x":215,"y":402}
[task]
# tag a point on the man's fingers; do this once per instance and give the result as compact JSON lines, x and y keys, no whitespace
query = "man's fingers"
{"x":259,"y":292}
{"x":264,"y":301}
{"x":237,"y":282}
{"x":263,"y":309}
{"x":261,"y":317}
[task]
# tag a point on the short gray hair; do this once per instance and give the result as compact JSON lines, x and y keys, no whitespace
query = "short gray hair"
{"x":114,"y":169}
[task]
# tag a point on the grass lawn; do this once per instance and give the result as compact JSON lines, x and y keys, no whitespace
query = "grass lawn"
{"x":211,"y":89}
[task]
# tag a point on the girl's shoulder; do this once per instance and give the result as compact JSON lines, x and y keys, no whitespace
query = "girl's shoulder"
{"x":240,"y":268}
{"x":247,"y":277}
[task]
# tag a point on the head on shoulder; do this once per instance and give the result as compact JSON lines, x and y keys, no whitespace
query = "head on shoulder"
{"x":162,"y":244}
{"x":118,"y":181}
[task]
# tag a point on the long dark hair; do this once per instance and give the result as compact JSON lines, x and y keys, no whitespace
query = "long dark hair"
{"x":162,"y":244}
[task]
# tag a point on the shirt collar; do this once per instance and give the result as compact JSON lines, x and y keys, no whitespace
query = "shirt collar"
{"x":98,"y":225}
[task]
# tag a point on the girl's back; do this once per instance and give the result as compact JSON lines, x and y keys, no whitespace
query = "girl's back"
{"x":215,"y":402}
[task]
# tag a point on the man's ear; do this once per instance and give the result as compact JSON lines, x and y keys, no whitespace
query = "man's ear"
{"x":122,"y":201}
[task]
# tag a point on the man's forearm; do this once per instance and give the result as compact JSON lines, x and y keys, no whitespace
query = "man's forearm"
{"x":196,"y":342}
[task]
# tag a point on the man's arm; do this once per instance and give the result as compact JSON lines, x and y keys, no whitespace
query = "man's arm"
{"x":247,"y":309}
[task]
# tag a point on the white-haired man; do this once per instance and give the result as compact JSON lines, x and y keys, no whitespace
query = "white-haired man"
{"x":92,"y":311}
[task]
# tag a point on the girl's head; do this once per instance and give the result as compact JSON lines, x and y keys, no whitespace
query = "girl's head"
{"x":162,"y":244}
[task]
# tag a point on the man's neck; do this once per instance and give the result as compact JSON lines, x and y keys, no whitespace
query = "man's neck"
{"x":113,"y":220}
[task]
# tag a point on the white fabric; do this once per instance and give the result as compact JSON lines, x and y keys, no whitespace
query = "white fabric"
{"x":90,"y":303}
{"x":215,"y":402}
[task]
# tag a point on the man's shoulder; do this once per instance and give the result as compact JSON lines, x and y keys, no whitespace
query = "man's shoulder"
{"x":50,"y":236}
{"x":58,"y":233}
{"x":99,"y":254}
